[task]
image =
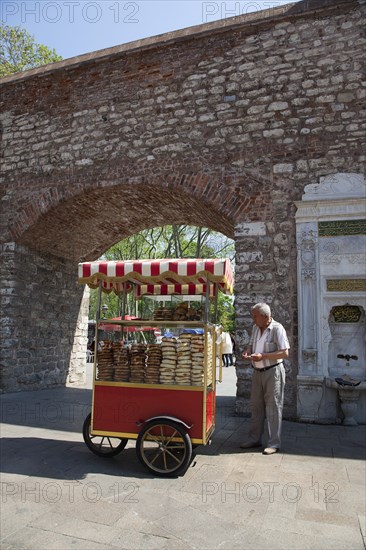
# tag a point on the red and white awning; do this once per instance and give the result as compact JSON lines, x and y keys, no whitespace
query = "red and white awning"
{"x":189,"y":289}
{"x":114,"y":275}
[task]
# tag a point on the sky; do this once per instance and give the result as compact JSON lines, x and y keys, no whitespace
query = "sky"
{"x":74,"y":27}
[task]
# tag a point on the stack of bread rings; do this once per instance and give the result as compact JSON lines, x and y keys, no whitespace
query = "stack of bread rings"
{"x":198,"y":359}
{"x":163,"y":314}
{"x":209,"y":356}
{"x":184,"y":363}
{"x":169,"y":360}
{"x":105,"y":362}
{"x":121,"y":362}
{"x":138,"y":358}
{"x":153,"y":361}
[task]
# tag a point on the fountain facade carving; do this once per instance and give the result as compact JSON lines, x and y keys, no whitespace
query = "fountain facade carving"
{"x":331,"y":243}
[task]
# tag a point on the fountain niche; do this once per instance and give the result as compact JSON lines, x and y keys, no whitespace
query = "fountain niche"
{"x":346,"y":351}
{"x":331,"y":244}
{"x":347,"y":361}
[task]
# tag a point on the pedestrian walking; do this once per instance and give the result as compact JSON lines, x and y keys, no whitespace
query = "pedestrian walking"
{"x":226,"y":349}
{"x":233,"y":355}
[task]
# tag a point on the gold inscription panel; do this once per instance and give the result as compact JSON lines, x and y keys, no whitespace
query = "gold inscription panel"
{"x":346,"y":314}
{"x":342,"y":228}
{"x":346,"y":285}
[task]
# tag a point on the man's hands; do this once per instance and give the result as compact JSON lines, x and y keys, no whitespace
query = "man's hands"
{"x":253,"y":356}
{"x":256,"y":357}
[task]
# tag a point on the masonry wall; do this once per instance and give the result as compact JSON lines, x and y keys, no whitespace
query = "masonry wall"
{"x":221,"y":127}
{"x":43,"y":326}
{"x":280,"y":99}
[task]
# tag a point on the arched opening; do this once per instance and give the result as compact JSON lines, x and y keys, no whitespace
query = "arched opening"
{"x":84,"y":226}
{"x":81,"y":221}
{"x":50,"y":328}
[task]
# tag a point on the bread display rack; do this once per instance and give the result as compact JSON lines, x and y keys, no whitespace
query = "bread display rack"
{"x":155,"y":373}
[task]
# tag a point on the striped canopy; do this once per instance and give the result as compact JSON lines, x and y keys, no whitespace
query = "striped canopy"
{"x":188,"y":289}
{"x":116,"y":275}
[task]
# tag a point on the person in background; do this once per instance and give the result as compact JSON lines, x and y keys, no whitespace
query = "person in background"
{"x":233,"y":357}
{"x":226,"y":349}
{"x":90,"y":351}
{"x":267,"y":348}
{"x":100,"y":345}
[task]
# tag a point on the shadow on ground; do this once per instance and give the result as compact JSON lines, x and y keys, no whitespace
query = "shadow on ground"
{"x":61,"y":412}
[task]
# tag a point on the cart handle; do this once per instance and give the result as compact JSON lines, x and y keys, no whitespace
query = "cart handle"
{"x":141,"y":422}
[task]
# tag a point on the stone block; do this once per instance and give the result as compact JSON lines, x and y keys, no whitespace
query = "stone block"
{"x":275,"y":133}
{"x":278,"y":106}
{"x":285,"y":168}
{"x":346,"y":97}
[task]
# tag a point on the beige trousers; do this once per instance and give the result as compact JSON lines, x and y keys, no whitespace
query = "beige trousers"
{"x":266,"y":404}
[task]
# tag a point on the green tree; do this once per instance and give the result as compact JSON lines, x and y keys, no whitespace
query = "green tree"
{"x":170,"y":241}
{"x":226,"y":312}
{"x":19,"y":51}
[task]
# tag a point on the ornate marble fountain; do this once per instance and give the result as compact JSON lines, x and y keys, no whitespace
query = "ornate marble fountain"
{"x":331,"y":243}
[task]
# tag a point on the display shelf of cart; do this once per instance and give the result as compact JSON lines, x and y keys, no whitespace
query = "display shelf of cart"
{"x":197,"y":401}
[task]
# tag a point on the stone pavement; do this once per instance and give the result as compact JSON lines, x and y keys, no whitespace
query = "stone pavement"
{"x":57,"y":495}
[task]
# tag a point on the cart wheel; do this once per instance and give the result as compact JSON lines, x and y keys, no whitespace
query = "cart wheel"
{"x":102,"y":445}
{"x":164,"y":447}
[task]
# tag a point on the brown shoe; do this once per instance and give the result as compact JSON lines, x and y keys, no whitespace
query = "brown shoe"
{"x":270,"y":450}
{"x":250,"y":445}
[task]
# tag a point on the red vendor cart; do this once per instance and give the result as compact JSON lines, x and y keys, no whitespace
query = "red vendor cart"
{"x":160,"y":388}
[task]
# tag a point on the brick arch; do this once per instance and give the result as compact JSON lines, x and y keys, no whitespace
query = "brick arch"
{"x":80,"y":225}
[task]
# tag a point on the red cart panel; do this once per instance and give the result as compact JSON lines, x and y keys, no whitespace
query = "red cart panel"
{"x":119,"y":409}
{"x":210,"y":410}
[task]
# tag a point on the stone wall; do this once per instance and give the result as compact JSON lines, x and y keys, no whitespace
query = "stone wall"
{"x":265,"y":253}
{"x":278,"y":99}
{"x":43,"y":327}
{"x":221,"y":125}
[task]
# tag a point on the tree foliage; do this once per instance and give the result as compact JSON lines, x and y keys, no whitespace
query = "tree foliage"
{"x":171,"y":241}
{"x":19,"y":51}
{"x":226,"y":312}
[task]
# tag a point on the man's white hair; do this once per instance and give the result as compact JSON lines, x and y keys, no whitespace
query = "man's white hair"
{"x":263,"y":309}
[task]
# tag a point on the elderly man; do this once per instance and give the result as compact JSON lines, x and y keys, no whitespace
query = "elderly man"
{"x":268,"y":347}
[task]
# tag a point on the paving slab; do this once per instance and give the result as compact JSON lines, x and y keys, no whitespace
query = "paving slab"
{"x":56,"y":494}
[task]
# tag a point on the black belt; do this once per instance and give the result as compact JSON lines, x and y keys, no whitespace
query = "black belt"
{"x":266,"y":368}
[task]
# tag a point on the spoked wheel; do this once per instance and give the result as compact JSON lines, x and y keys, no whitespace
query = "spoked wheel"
{"x":102,"y":445}
{"x":164,"y":447}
